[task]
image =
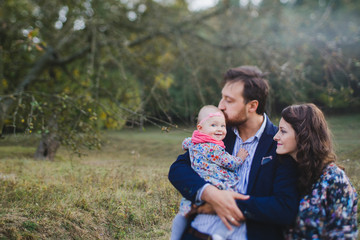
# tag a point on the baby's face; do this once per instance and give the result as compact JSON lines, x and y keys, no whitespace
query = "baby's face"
{"x":214,"y":127}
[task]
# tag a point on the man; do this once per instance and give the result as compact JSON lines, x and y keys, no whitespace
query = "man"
{"x":269,"y":181}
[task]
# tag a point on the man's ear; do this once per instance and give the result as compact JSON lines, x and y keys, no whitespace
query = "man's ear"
{"x":199,"y":127}
{"x":253,"y":105}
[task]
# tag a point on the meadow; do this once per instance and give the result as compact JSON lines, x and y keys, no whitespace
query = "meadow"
{"x":119,"y":192}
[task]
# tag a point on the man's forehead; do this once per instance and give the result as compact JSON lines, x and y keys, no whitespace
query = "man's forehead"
{"x":231,"y":88}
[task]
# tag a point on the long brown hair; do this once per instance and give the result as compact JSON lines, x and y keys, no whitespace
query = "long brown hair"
{"x":314,"y":143}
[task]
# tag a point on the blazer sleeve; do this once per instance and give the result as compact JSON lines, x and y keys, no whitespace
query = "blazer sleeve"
{"x":282,"y":206}
{"x":184,"y":178}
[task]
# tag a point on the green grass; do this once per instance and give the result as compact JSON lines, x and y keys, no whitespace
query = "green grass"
{"x":120,"y":192}
{"x":346,"y":132}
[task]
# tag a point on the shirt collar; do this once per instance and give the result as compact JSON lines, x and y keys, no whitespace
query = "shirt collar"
{"x":257,"y":134}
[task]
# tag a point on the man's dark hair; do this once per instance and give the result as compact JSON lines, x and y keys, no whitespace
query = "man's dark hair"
{"x":256,"y":87}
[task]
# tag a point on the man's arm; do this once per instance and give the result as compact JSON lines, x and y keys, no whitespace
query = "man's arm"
{"x":188,"y":183}
{"x":222,"y":202}
{"x":282,"y":206}
{"x":184,"y":178}
{"x":279,"y":208}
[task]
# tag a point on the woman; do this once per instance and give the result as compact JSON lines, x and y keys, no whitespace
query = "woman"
{"x":328,"y":205}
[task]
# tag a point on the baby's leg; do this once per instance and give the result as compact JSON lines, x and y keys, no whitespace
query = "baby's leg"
{"x":243,"y":153}
{"x":178,"y":227}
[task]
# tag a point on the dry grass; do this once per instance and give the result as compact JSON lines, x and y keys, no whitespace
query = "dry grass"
{"x":120,"y":192}
{"x":346,"y":132}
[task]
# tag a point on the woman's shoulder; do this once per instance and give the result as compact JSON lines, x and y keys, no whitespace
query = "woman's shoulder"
{"x":334,"y":177}
{"x":332,"y":171}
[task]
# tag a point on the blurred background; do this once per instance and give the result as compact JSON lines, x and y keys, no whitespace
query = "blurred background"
{"x":78,"y":66}
{"x":127,"y":78}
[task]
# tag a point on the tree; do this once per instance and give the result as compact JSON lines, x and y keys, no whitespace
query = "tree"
{"x":305,"y":46}
{"x":70,"y":69}
{"x":92,"y":64}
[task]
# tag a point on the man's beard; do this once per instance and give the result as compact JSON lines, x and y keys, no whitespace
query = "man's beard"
{"x":234,"y":122}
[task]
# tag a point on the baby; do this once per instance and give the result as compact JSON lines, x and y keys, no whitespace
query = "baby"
{"x":210,"y":160}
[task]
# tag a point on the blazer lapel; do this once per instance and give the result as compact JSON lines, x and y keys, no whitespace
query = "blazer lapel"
{"x":229,"y":140}
{"x":265,"y":143}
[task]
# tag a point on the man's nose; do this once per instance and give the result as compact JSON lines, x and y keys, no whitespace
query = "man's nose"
{"x":221,"y":105}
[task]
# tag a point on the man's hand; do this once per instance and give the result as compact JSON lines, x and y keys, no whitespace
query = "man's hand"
{"x":223,"y":203}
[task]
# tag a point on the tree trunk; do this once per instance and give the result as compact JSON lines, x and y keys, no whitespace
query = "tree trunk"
{"x":49,"y":143}
{"x":48,"y":146}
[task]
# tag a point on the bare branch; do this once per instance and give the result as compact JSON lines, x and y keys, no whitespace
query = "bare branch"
{"x":177,"y":27}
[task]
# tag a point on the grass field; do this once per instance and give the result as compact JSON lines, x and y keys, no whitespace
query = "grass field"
{"x":120,"y":192}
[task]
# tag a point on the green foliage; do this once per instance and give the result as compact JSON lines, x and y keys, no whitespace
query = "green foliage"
{"x":72,"y":119}
{"x":138,"y":62}
{"x":319,"y":68}
{"x":30,"y":226}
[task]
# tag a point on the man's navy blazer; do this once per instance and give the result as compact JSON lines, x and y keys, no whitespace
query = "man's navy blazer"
{"x":273,"y":201}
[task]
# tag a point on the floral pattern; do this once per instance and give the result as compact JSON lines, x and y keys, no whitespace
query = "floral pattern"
{"x":329,"y":211}
{"x":213,"y":164}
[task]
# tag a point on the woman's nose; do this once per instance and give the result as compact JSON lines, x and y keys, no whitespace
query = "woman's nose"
{"x":276,"y":138}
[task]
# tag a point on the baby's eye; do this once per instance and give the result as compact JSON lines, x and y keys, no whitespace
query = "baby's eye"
{"x":223,"y":126}
{"x":213,"y":125}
